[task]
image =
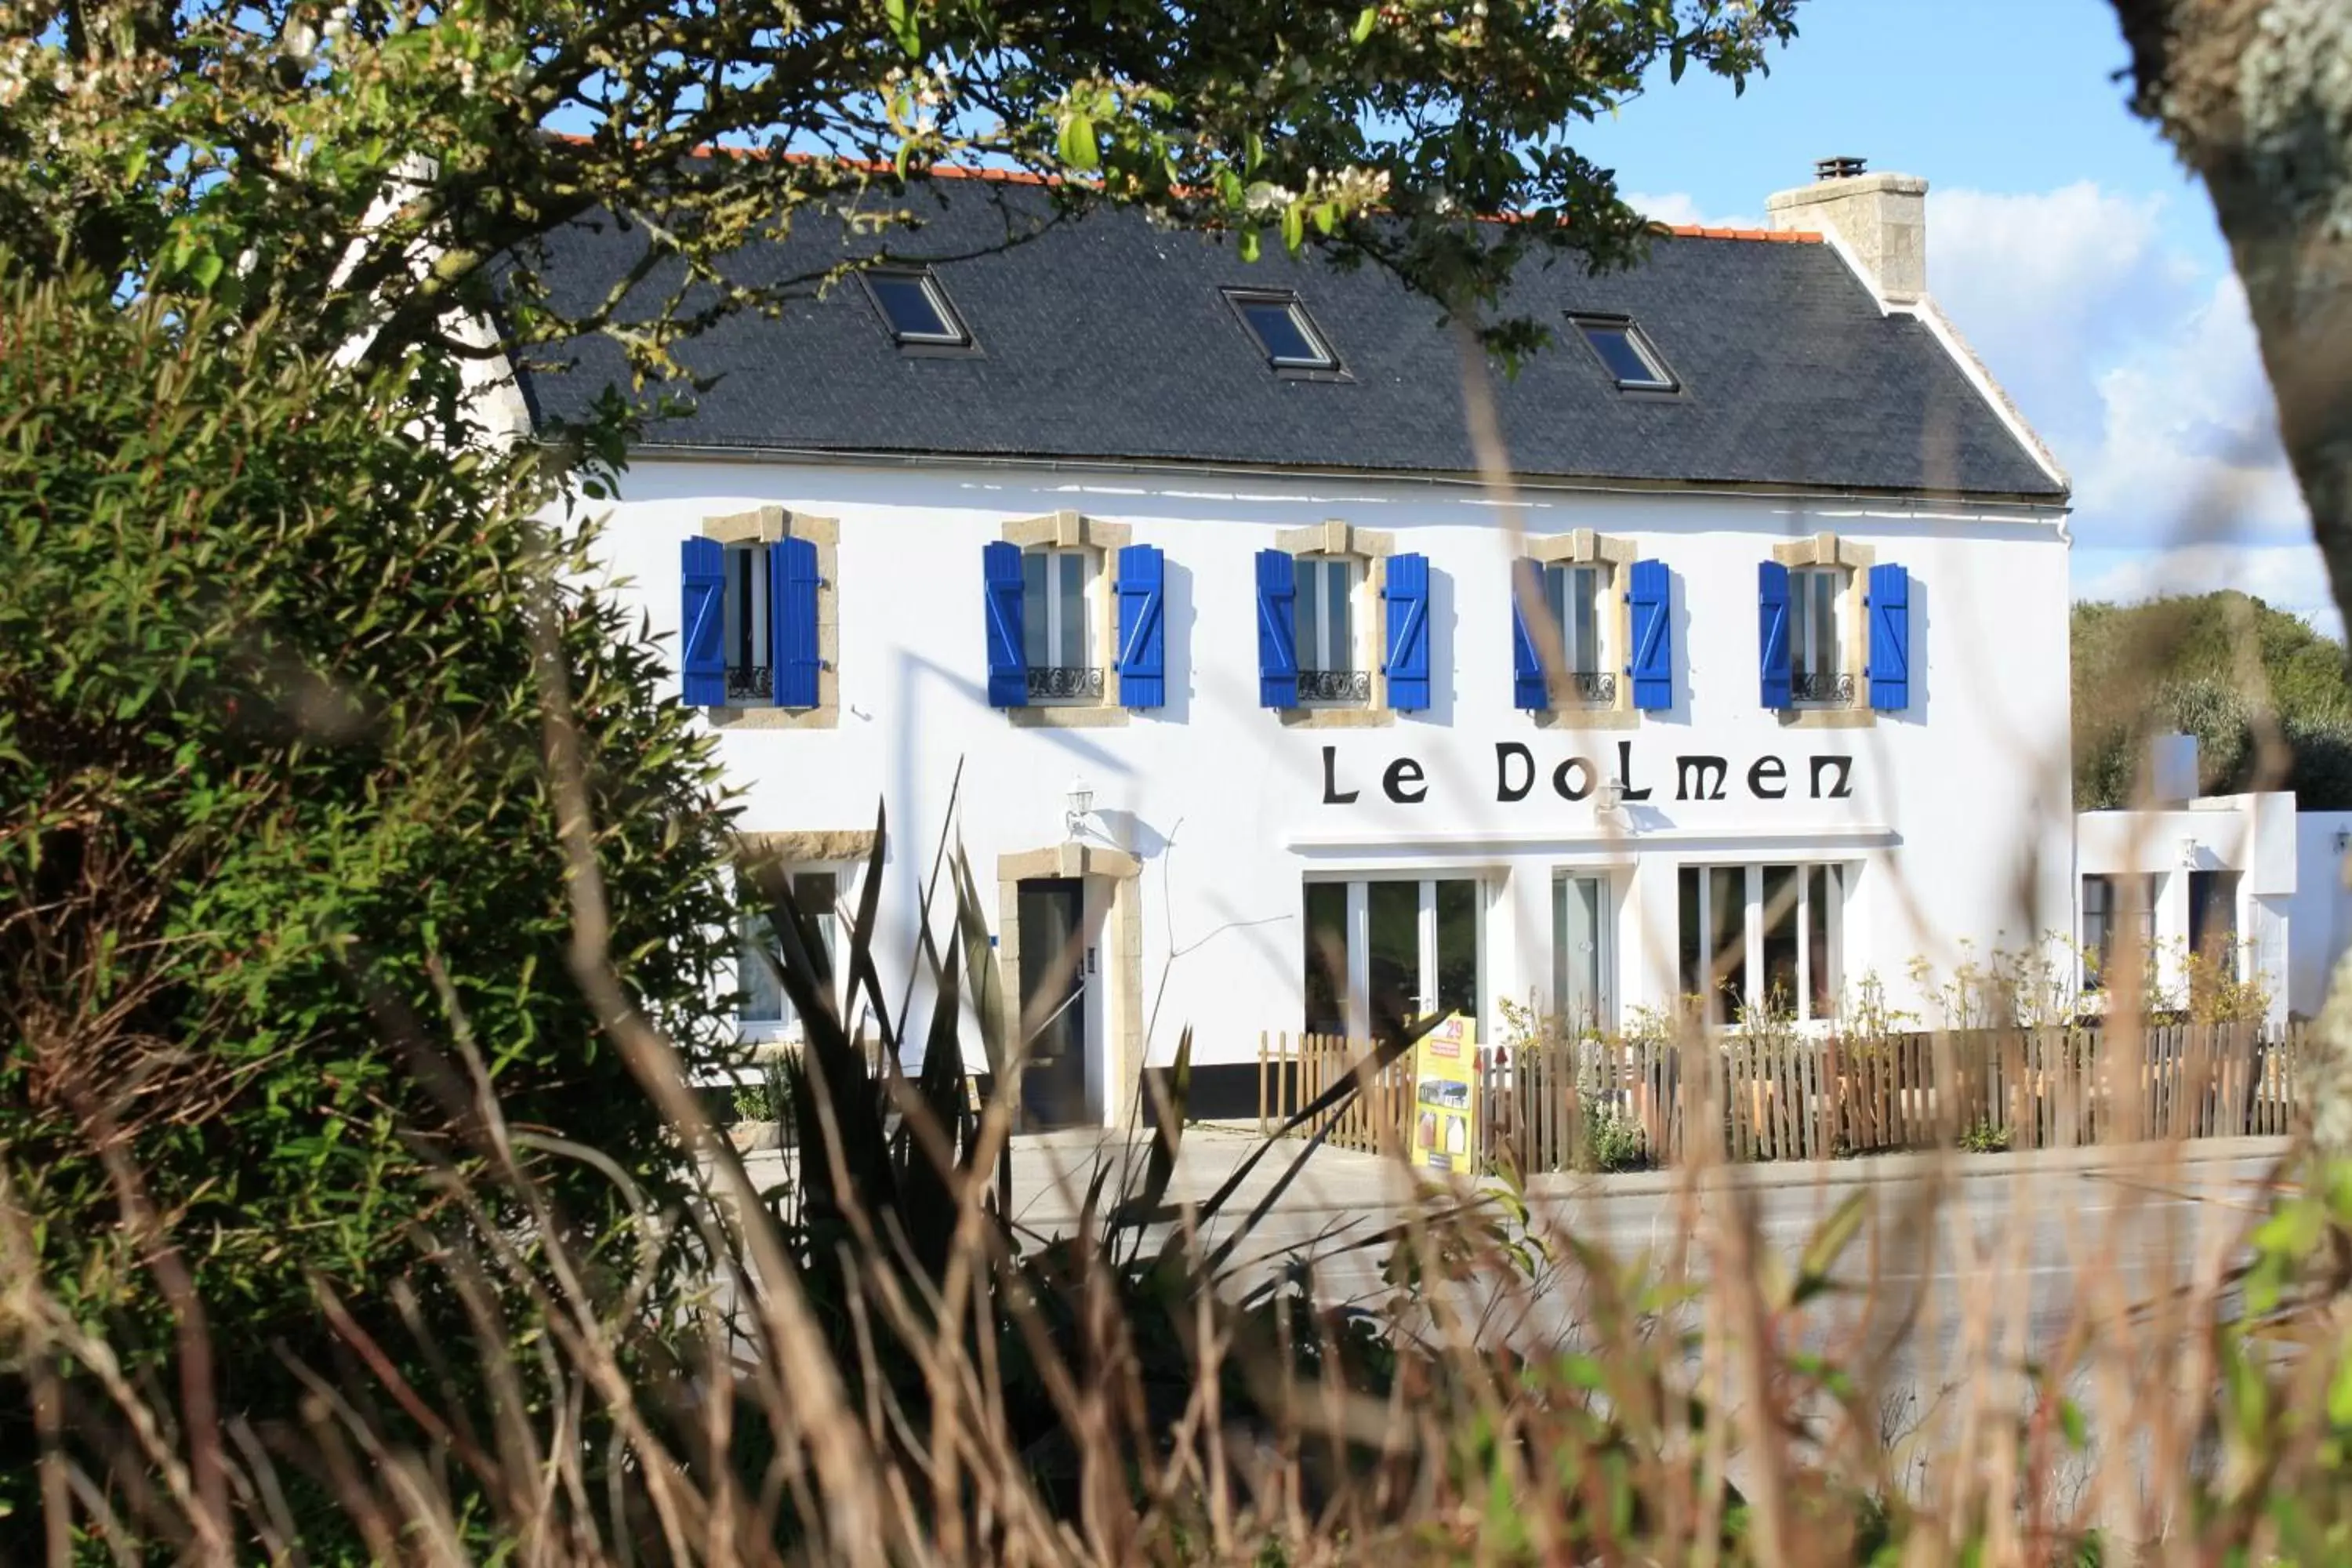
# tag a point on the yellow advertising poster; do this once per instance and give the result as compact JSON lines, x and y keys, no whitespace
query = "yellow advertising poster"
{"x":1445,"y":1097}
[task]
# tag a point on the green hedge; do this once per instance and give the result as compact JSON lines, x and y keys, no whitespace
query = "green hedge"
{"x":270,"y":754}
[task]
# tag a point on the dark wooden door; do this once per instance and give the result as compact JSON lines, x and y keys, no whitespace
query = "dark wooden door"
{"x":1052,"y":912}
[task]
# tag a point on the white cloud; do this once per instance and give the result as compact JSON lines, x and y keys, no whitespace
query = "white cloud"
{"x":2138,"y":366}
{"x":1681,"y":209}
{"x":2287,"y":576}
{"x":2189,"y":445}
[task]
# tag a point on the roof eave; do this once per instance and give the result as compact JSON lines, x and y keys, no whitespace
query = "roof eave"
{"x":683,"y":451}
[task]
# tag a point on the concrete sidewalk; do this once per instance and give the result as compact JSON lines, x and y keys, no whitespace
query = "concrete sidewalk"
{"x":1953,"y":1164}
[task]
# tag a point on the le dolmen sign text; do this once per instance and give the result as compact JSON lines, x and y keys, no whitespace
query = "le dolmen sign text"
{"x":1696,"y":777}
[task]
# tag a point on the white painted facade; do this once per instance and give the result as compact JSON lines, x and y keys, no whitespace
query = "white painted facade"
{"x":1956,"y":838}
{"x":2319,"y":909}
{"x":2214,"y":874}
{"x":2246,"y":873}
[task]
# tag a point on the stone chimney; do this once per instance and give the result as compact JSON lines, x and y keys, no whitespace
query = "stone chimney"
{"x":1881,"y":219}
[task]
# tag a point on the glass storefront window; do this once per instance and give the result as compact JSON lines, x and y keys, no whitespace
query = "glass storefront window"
{"x":1327,"y":958}
{"x":1421,"y":951}
{"x":1791,"y":946}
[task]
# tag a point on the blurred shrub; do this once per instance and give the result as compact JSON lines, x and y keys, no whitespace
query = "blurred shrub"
{"x":2186,"y":664}
{"x":273,"y":813}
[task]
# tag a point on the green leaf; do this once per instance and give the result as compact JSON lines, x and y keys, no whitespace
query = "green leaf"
{"x":905,"y":27}
{"x":2339,"y":1390}
{"x":1365,"y":23}
{"x":1294,"y":227}
{"x":1830,"y":1240}
{"x":1249,"y":243}
{"x":1678,"y":61}
{"x":2070,"y":1422}
{"x":1078,"y":148}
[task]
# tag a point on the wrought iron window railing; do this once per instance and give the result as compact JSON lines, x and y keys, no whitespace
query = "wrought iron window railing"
{"x":1335,"y":685}
{"x":1063,"y":681}
{"x":749,"y":683}
{"x":1583,"y":686}
{"x":1822,"y":690}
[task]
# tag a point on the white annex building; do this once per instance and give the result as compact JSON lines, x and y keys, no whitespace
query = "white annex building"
{"x":1186,"y":565}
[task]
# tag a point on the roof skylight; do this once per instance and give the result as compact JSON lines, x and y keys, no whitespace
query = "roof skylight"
{"x":1283,"y":328}
{"x":916,"y":309}
{"x":1627,"y":353}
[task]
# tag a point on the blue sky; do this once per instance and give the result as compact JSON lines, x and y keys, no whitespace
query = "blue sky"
{"x":2065,"y":241}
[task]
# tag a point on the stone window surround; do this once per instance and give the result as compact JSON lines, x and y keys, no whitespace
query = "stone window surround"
{"x":1585,"y":547}
{"x":767,"y":525}
{"x":1076,"y":531}
{"x":1373,"y":547}
{"x":1828,"y":549}
{"x":1122,"y":966}
{"x":758,"y":855}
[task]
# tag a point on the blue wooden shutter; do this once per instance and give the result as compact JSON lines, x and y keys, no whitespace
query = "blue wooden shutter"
{"x":1008,"y":662}
{"x":1772,"y":632}
{"x":702,"y":623}
{"x":1649,"y":592}
{"x":1142,"y":627}
{"x":1407,"y":665}
{"x":1277,"y":630}
{"x":792,"y":621}
{"x":1889,"y":609}
{"x":1528,"y":688}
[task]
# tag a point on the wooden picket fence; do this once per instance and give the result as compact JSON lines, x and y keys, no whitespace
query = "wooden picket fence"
{"x":1811,"y":1097}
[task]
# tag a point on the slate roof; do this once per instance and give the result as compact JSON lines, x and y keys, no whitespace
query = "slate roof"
{"x":1107,"y":338}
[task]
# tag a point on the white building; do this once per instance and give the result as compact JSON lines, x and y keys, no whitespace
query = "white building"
{"x":1113,"y":506}
{"x":2248,"y":882}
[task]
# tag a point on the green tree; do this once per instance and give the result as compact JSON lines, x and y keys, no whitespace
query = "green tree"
{"x":276,"y":836}
{"x":2265,"y":694}
{"x":374,"y":171}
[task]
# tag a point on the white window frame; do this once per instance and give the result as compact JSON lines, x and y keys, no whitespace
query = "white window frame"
{"x":1358,"y":1001}
{"x":1055,"y":627}
{"x":1604,"y":945}
{"x":1809,"y":586}
{"x":786,"y":1024}
{"x":1357,"y":569}
{"x":1752,"y":931}
{"x":1567,"y":689}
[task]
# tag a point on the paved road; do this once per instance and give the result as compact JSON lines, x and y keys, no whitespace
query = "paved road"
{"x":2004,"y":1254}
{"x":2040,"y":1235}
{"x":1962,"y":1271}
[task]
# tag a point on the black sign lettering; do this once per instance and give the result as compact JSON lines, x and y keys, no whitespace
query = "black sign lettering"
{"x":1403,"y":773}
{"x":1626,"y":774}
{"x":1332,"y":794}
{"x":1843,"y":789}
{"x":1698,"y":776}
{"x":1504,"y":753}
{"x":1708,"y":773}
